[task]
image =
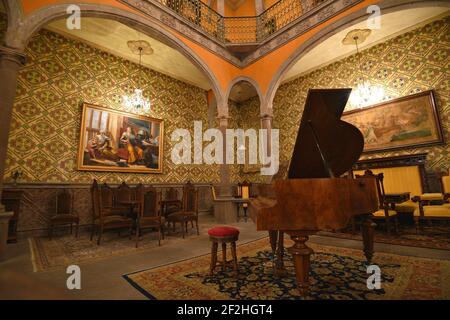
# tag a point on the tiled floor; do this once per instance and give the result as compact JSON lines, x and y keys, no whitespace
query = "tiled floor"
{"x":103,"y":279}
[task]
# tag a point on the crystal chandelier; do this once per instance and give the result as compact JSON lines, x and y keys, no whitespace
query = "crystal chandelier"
{"x":365,"y":94}
{"x":137,"y":103}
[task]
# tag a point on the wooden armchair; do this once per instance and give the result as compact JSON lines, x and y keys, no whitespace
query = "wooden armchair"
{"x":64,"y":213}
{"x":244,"y":193}
{"x":103,"y":219}
{"x":189,"y":212}
{"x":149,"y":214}
{"x":434,"y":212}
{"x":384,"y":212}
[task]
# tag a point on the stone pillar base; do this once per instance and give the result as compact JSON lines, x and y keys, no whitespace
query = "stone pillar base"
{"x":4,"y":222}
{"x":225,"y":211}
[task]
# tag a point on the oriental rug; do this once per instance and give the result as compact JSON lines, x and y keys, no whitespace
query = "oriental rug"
{"x":336,"y":273}
{"x":64,"y":250}
{"x":435,"y":236}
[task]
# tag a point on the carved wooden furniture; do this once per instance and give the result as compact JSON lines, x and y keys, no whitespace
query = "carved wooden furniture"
{"x":404,"y":173}
{"x":150,"y":214}
{"x":395,"y":198}
{"x":171,"y":203}
{"x":384,"y":212}
{"x":189,"y":210}
{"x":244,"y":194}
{"x":64,"y":214}
{"x":313,"y":198}
{"x":223,"y":235}
{"x":12,"y":199}
{"x":440,"y":211}
{"x":103,"y":219}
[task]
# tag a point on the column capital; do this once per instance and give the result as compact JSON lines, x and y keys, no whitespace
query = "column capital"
{"x":223,"y":120}
{"x":266,"y":116}
{"x":14,"y":55}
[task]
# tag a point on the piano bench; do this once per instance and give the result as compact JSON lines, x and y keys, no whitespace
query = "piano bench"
{"x":223,"y":235}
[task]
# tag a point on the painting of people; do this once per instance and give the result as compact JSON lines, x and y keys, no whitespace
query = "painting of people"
{"x":400,"y":123}
{"x":111,"y":140}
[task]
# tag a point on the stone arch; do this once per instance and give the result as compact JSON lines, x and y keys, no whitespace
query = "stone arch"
{"x":19,"y":34}
{"x":262,"y":104}
{"x":331,"y":29}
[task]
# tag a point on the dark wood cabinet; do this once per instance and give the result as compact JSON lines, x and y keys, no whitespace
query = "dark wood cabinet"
{"x":11,"y":199}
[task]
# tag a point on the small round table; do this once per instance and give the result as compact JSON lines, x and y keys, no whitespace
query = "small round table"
{"x":223,"y":235}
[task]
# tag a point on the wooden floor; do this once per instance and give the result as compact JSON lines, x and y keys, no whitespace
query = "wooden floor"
{"x":103,"y":279}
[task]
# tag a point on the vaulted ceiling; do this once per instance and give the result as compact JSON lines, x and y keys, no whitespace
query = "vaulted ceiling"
{"x":112,"y":37}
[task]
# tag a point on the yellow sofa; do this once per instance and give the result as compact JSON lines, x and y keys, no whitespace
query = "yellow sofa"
{"x":402,"y":179}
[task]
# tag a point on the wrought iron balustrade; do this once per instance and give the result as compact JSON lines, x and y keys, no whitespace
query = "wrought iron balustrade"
{"x":241,"y":30}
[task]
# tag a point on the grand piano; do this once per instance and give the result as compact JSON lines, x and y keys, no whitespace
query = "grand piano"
{"x":315,"y":197}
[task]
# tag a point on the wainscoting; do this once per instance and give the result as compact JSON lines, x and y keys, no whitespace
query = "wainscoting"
{"x":38,"y":203}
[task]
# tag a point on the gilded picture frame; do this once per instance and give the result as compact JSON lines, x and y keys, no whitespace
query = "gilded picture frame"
{"x":406,"y":122}
{"x":117,"y":141}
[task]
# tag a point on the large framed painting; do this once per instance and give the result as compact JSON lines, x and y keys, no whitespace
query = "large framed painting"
{"x":112,"y":140}
{"x":409,"y":121}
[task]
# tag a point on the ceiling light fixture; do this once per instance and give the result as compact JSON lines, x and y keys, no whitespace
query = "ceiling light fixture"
{"x":137,"y":103}
{"x":365,"y":94}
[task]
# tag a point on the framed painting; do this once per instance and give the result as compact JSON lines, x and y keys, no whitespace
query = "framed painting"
{"x":117,"y":141}
{"x":410,"y":121}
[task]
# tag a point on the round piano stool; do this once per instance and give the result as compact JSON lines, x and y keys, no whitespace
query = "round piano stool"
{"x":223,"y":235}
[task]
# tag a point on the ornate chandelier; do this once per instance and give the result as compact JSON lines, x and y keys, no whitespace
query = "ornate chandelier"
{"x":365,"y":94}
{"x":137,"y":103}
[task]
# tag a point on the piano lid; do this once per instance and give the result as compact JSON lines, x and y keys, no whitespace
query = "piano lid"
{"x":324,"y":142}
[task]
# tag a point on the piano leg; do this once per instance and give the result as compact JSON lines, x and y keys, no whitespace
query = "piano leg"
{"x":279,"y":262}
{"x":301,"y":254}
{"x":277,"y":245}
{"x":368,"y":232}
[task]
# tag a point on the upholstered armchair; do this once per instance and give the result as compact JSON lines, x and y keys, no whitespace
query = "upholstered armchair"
{"x":440,"y":211}
{"x":384,"y":213}
{"x":244,"y":193}
{"x":64,"y":214}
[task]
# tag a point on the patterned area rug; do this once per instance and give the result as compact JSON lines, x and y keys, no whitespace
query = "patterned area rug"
{"x":61,"y":251}
{"x":336,"y":273}
{"x":436,"y":236}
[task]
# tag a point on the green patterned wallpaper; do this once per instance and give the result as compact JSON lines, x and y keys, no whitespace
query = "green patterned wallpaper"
{"x":412,"y":62}
{"x":59,"y":75}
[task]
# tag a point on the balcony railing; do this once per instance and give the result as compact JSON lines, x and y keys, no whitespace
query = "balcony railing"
{"x":241,"y":30}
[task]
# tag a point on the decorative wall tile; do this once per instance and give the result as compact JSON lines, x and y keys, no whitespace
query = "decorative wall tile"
{"x":412,"y":62}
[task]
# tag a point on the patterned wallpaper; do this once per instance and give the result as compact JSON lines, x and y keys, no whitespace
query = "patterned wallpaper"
{"x":412,"y":62}
{"x":59,"y":75}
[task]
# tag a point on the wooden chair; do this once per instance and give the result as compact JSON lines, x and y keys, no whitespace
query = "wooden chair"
{"x":189,"y":212}
{"x":244,"y":193}
{"x":171,"y":203}
{"x":439,"y":211}
{"x":384,"y":212}
{"x":149,"y":214}
{"x":64,"y":213}
{"x":123,"y":194}
{"x":103,"y":219}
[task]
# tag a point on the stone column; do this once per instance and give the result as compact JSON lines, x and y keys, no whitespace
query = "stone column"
{"x":266,"y":123}
{"x":221,"y":7}
{"x":225,"y":188}
{"x":259,"y":7}
{"x":225,"y":210}
{"x":10,"y":62}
